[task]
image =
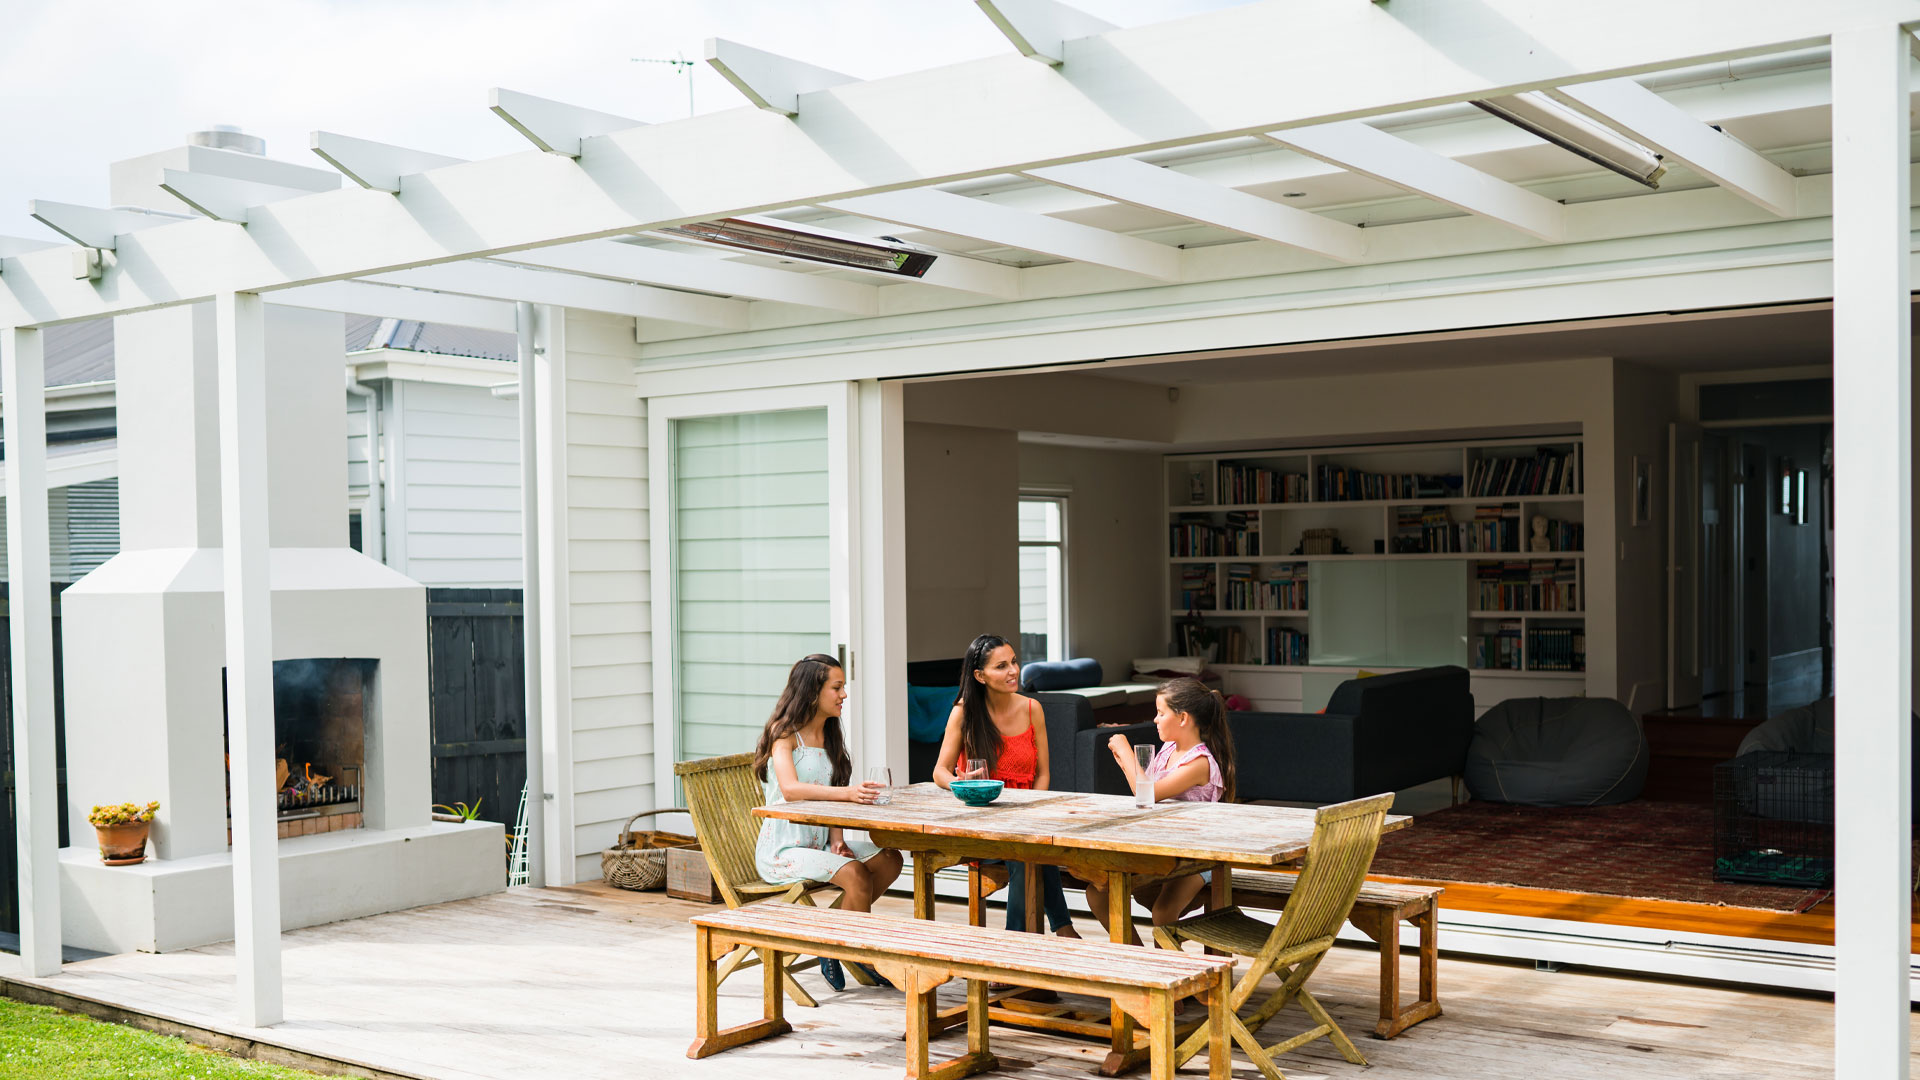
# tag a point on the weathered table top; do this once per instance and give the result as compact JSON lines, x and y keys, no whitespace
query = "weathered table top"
{"x":1241,"y":834}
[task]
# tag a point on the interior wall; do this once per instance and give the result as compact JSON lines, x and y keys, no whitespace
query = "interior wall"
{"x":1793,"y":555}
{"x":963,"y":487}
{"x":1114,"y":563}
{"x":1643,"y":409}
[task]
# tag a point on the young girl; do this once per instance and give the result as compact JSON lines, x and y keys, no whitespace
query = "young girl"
{"x":993,"y":722}
{"x":803,"y":744}
{"x":1194,"y":764}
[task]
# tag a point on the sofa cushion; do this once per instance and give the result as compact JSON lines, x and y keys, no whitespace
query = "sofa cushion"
{"x":927,"y":710}
{"x":1060,"y":674}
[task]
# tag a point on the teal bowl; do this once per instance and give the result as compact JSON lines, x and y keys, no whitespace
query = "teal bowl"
{"x":976,"y":792}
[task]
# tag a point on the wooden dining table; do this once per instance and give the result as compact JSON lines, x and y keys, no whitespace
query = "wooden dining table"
{"x":1097,"y":838}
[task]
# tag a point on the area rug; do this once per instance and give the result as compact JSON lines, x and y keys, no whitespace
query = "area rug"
{"x":1643,"y":850}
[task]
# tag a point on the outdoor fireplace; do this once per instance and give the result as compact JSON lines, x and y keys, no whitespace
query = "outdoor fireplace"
{"x":321,"y":715}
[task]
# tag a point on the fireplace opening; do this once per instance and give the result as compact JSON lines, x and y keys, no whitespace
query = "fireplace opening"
{"x":321,"y":712}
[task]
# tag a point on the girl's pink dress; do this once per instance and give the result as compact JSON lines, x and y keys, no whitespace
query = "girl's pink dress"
{"x":1164,"y":763}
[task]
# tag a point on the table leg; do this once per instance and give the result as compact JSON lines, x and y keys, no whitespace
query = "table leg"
{"x":922,"y":886}
{"x":1121,"y":1054}
{"x":976,"y":906}
{"x":1034,"y":925}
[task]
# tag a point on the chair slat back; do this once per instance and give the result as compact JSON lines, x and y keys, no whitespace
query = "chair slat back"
{"x":1344,"y":838}
{"x":721,"y":795}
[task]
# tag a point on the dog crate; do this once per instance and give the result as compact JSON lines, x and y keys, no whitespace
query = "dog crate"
{"x":1773,"y":819}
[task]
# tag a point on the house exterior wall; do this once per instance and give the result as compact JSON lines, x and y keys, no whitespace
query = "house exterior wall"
{"x":453,"y":484}
{"x":609,"y":633}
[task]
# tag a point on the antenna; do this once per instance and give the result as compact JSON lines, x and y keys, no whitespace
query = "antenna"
{"x":685,"y":67}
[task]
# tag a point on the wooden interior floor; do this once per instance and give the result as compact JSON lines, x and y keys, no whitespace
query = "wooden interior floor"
{"x":590,"y":982}
{"x":1811,"y":927}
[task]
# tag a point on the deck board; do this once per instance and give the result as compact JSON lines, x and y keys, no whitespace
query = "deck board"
{"x":591,"y":982}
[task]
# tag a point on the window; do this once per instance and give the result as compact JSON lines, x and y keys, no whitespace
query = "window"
{"x":1043,"y":577}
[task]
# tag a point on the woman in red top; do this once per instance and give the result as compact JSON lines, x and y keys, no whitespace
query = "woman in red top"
{"x":993,"y":721}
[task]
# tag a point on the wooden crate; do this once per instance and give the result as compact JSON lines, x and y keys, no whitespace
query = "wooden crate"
{"x":688,"y":877}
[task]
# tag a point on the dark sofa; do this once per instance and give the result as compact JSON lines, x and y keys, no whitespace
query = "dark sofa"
{"x":1385,"y":733}
{"x":1071,"y":724}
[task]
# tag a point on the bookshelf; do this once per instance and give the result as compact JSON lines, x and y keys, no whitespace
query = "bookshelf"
{"x":1254,"y":539}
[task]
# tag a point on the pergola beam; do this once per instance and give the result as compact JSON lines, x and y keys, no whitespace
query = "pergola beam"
{"x":1126,"y":92}
{"x":772,"y":82}
{"x":515,"y":283}
{"x":1040,"y":29}
{"x":375,"y":165}
{"x":1644,"y":115}
{"x":957,"y":215}
{"x":1166,"y":191}
{"x":645,"y":265}
{"x":20,"y":245}
{"x":1367,"y":150}
{"x":388,"y":302}
{"x":91,"y":226}
{"x":220,"y":197}
{"x":553,"y":126}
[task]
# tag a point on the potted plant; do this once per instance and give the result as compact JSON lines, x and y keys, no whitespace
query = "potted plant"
{"x":122,"y":831}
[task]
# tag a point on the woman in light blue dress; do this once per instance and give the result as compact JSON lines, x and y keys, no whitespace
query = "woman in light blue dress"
{"x":802,"y":755}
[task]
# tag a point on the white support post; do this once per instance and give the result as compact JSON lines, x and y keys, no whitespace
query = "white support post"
{"x":531,"y":596}
{"x":882,"y":569}
{"x":241,"y":332}
{"x":556,"y":650}
{"x":30,"y":621}
{"x":1873,"y":541}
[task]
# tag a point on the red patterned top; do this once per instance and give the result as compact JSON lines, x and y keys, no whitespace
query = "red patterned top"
{"x":1019,"y":756}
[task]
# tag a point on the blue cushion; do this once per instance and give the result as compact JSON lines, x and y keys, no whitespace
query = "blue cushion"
{"x":1060,"y":674}
{"x":927,"y":711}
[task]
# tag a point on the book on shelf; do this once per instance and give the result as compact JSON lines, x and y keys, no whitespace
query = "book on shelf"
{"x":1228,"y":644}
{"x":1526,"y":585}
{"x":1196,"y":587}
{"x":1242,"y":484}
{"x":1286,"y":646}
{"x":1337,"y":483}
{"x":1547,"y":472}
{"x":1498,"y":649}
{"x":1554,"y":648}
{"x":1278,"y":587}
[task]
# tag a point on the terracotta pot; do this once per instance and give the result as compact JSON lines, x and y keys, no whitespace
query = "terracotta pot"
{"x":123,"y":845}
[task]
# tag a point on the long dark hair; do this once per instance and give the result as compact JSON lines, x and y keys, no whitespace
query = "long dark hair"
{"x":978,"y":737}
{"x":795,"y":710}
{"x":1209,"y":712}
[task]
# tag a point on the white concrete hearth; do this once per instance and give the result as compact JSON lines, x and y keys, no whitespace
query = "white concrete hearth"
{"x":145,"y":664}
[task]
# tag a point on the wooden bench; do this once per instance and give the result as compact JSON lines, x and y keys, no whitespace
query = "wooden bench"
{"x":1378,"y":913}
{"x":919,"y":955}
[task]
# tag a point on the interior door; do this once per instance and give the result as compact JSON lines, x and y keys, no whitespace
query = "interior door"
{"x":1684,"y":559}
{"x":751,"y":529}
{"x":1719,"y":583}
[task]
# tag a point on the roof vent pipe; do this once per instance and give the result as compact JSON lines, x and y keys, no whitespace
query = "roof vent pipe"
{"x":228,"y":137}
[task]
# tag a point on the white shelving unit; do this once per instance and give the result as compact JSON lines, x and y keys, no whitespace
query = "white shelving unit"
{"x":1369,"y":529}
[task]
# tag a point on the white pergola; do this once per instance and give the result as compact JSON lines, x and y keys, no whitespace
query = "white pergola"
{"x":1094,"y":114}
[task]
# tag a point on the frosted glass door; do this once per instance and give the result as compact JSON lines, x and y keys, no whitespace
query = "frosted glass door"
{"x":752,"y":569}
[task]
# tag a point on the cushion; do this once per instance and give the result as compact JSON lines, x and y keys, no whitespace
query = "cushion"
{"x":1098,"y":697}
{"x":1167,"y":667}
{"x":1557,"y":752}
{"x":1805,"y":730}
{"x":927,"y":710}
{"x":1047,"y":675}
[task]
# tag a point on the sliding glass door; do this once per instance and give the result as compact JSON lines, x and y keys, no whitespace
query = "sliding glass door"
{"x":750,"y":498}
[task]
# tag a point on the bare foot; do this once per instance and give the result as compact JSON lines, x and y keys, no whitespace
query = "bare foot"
{"x":1067,"y":931}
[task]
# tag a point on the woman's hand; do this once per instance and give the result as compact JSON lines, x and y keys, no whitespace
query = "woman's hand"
{"x":973,"y":774}
{"x":864,"y":792}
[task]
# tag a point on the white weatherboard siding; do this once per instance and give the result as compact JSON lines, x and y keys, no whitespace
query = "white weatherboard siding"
{"x":610,"y":622}
{"x":457,"y":498}
{"x":83,"y":527}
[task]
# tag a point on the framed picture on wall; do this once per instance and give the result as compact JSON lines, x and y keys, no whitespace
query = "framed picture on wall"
{"x":1642,"y":491}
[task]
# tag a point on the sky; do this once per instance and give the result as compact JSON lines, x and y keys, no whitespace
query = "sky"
{"x":86,"y":83}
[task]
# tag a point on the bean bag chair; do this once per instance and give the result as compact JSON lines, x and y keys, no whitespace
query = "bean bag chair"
{"x":1557,"y":752}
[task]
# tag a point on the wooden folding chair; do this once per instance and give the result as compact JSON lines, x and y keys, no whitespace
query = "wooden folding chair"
{"x":1344,"y":838}
{"x":721,"y":795}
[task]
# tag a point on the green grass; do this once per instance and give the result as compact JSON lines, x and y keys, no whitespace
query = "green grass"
{"x":38,"y":1043}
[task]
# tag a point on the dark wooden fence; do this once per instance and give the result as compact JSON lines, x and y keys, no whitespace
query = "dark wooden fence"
{"x":476,"y":664}
{"x":477,"y":679}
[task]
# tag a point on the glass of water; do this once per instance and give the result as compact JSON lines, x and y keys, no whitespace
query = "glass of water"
{"x":883,"y":776}
{"x":976,"y":769}
{"x":1142,"y":785}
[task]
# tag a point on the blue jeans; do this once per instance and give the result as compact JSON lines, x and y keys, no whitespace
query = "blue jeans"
{"x":1052,"y":896}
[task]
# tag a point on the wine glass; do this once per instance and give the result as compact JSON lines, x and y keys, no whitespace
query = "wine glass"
{"x":880,"y":774}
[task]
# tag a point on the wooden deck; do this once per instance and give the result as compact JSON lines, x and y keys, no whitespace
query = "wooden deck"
{"x":591,"y":982}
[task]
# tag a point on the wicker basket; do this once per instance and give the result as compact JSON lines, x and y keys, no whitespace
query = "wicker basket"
{"x":638,"y":860}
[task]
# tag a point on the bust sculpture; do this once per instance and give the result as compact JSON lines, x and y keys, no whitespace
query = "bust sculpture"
{"x":1540,"y":541}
